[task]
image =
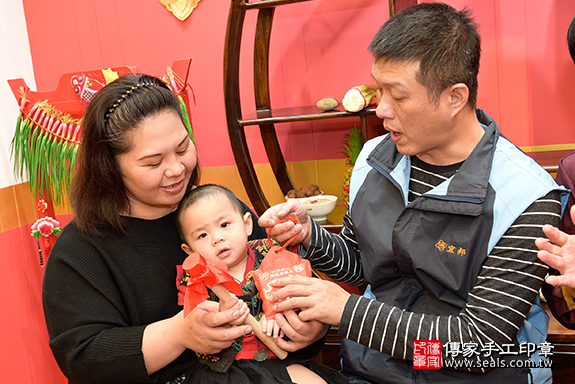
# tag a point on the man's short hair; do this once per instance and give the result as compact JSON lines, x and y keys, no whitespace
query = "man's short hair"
{"x":444,"y":41}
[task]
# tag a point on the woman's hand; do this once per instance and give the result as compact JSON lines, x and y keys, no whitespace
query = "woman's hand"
{"x":318,"y":299}
{"x":285,"y":231}
{"x":210,"y":328}
{"x":559,"y":254}
{"x":204,"y":330}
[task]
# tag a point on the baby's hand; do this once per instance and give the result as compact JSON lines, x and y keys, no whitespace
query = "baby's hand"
{"x":238,"y":305}
{"x":270,"y":327}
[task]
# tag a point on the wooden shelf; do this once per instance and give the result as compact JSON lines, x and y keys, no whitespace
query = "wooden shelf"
{"x":334,"y":221}
{"x":308,"y":113}
{"x":262,"y":4}
{"x":549,"y":159}
{"x":266,"y":116}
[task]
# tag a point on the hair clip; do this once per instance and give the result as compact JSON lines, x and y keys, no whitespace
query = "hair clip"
{"x":123,"y":97}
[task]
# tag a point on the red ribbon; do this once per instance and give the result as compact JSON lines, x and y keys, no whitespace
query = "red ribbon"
{"x":294,"y":220}
{"x":202,"y":274}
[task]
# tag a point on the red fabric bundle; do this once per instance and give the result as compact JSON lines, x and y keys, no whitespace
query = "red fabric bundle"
{"x":279,"y":262}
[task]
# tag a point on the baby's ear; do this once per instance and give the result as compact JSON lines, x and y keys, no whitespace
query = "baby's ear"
{"x":248,"y":223}
{"x":186,"y":248}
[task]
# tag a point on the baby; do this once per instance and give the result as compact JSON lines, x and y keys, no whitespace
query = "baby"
{"x":212,"y":223}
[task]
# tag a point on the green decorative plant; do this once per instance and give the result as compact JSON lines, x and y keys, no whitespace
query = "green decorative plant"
{"x":45,"y":146}
{"x":352,"y":145}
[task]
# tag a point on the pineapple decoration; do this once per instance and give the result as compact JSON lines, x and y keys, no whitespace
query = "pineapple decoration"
{"x":351,"y":147}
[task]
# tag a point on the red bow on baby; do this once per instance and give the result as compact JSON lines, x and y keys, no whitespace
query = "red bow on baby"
{"x":215,"y":276}
{"x":202,"y":274}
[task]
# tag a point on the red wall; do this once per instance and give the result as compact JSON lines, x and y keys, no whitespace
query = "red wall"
{"x":317,"y":49}
{"x":24,"y":351}
{"x":527,"y":78}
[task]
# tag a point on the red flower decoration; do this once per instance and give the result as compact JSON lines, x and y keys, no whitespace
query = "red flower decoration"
{"x":45,"y":226}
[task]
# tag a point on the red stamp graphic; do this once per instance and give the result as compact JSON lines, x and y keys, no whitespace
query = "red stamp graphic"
{"x":426,"y":354}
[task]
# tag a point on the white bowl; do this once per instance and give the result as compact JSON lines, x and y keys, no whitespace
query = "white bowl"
{"x":319,"y":207}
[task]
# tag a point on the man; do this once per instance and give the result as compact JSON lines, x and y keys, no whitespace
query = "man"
{"x":442,"y":215}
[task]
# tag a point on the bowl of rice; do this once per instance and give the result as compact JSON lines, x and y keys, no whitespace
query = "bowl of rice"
{"x":319,"y":207}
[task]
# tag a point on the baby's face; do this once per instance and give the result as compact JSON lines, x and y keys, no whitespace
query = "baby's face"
{"x":215,"y":230}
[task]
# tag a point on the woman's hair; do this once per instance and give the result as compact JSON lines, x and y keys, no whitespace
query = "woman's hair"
{"x":571,"y":39}
{"x":202,"y":192}
{"x":98,"y":194}
{"x":444,"y":41}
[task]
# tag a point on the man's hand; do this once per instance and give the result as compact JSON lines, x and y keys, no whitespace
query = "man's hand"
{"x":300,"y":333}
{"x":317,"y":299}
{"x":285,"y":231}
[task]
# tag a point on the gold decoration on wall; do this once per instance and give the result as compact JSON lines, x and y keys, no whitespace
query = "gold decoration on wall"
{"x":109,"y":75}
{"x":180,"y":8}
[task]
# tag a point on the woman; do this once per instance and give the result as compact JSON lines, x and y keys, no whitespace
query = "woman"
{"x":110,"y":288}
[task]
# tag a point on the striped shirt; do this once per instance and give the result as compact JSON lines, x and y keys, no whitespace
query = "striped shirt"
{"x":505,"y":290}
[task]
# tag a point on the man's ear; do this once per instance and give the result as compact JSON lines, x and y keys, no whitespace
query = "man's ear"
{"x":248,"y":222}
{"x":458,"y":97}
{"x":187,"y":249}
